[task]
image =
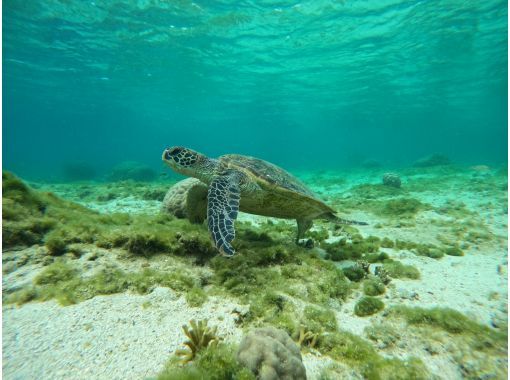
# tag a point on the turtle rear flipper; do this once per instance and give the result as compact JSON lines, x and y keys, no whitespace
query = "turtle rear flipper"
{"x":335,"y":219}
{"x":222,"y":209}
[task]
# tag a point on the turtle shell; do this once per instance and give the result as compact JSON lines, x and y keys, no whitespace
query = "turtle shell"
{"x":285,"y":196}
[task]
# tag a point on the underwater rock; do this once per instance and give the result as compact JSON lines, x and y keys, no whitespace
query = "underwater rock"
{"x":432,"y":160}
{"x":132,"y":170}
{"x":271,"y":355}
{"x":392,"y":180}
{"x":187,"y":199}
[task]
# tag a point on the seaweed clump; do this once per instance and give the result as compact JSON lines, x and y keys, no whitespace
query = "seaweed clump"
{"x":216,"y":362}
{"x":373,"y":286}
{"x":401,"y":207}
{"x":33,"y":217}
{"x":269,"y":278}
{"x":396,"y":269}
{"x":361,"y":355}
{"x":355,"y":249}
{"x":22,"y":213}
{"x":479,"y":350}
{"x":65,"y":283}
{"x":447,"y":319}
{"x":367,"y":306}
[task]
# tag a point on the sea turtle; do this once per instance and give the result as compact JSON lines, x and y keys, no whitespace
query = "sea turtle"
{"x":248,"y":184}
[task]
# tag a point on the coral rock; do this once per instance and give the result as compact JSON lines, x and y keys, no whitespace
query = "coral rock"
{"x":187,"y":199}
{"x":271,"y":355}
{"x":392,"y":179}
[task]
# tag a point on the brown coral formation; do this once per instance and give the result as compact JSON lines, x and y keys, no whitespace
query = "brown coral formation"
{"x":271,"y":355}
{"x":187,"y":199}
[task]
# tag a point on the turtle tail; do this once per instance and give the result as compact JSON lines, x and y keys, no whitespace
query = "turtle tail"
{"x":336,"y":219}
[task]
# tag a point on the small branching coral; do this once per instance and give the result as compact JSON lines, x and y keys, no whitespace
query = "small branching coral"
{"x":200,"y":337}
{"x":383,"y":275}
{"x":307,"y":338}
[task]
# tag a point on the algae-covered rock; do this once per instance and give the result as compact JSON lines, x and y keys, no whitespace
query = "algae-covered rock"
{"x":271,"y":355}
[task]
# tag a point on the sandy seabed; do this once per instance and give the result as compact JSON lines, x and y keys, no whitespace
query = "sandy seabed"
{"x":120,"y":337}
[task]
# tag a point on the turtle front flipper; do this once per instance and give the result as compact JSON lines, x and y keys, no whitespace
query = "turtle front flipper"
{"x":222,"y":208}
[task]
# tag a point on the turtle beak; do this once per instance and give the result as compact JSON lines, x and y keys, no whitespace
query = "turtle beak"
{"x":166,"y":154}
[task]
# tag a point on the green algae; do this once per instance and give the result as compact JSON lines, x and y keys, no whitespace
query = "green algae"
{"x":54,"y":273}
{"x":353,"y":250}
{"x":373,"y":286}
{"x":55,"y":243}
{"x":401,"y":208}
{"x":33,"y":217}
{"x":361,"y":355}
{"x":368,"y":306}
{"x":449,"y":320}
{"x":354,"y":273}
{"x":454,"y":251}
{"x":478,"y":350}
{"x":29,"y":215}
{"x":387,"y":243}
{"x":216,"y":363}
{"x":398,"y":270}
{"x":268,"y":281}
{"x":381,"y":200}
{"x":376,"y":191}
{"x":196,"y":297}
{"x":383,"y":334}
{"x":319,"y":319}
{"x":64,"y":283}
{"x":420,"y":249}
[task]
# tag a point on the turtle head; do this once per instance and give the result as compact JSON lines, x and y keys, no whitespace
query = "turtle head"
{"x":185,"y":161}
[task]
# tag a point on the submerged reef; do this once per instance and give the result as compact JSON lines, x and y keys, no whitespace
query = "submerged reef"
{"x":77,"y":254}
{"x":131,"y":170}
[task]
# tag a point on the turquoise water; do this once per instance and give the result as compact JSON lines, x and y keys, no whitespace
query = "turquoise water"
{"x":106,"y":255}
{"x":317,"y":84}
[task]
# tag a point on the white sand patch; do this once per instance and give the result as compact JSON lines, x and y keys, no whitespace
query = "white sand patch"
{"x":107,"y":337}
{"x":123,"y":336}
{"x":130,"y":205}
{"x":475,"y":284}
